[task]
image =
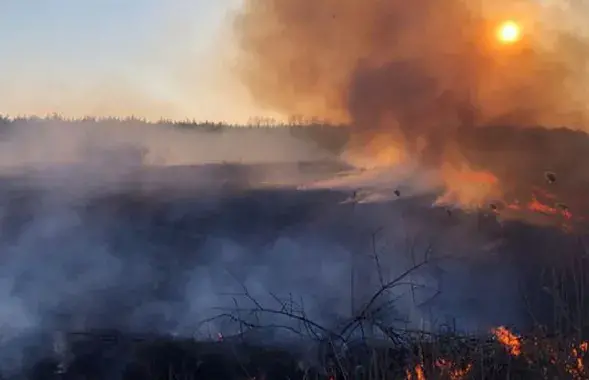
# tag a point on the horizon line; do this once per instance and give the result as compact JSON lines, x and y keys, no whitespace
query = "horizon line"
{"x":254,"y":121}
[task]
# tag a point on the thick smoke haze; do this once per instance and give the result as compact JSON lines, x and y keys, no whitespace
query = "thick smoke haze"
{"x":425,"y":79}
{"x":69,"y":247}
{"x":147,"y":228}
{"x":156,"y":228}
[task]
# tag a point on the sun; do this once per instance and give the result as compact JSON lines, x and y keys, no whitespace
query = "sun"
{"x":508,"y":32}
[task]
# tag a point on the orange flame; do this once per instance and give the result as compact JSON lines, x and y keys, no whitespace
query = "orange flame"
{"x":508,"y":339}
{"x":577,"y":370}
{"x":419,"y":374}
{"x":467,"y":187}
{"x":549,"y":208}
{"x":538,"y":206}
{"x":453,"y":372}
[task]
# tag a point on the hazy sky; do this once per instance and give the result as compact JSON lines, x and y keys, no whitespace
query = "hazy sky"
{"x":115,"y":57}
{"x":150,"y":58}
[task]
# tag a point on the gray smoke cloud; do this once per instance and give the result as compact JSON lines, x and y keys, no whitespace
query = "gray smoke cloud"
{"x":146,"y":228}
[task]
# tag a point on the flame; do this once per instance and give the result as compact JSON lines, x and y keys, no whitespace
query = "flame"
{"x":573,"y":362}
{"x":536,"y":205}
{"x":453,"y":372}
{"x":577,"y":368}
{"x":508,"y":339}
{"x":419,"y":374}
{"x":466,"y":187}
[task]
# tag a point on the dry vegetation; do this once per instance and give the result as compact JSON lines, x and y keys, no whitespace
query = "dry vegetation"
{"x":556,"y":352}
{"x":556,"y":348}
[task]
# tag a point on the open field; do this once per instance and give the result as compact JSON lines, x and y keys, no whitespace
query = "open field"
{"x":421,"y":212}
{"x":123,"y":260}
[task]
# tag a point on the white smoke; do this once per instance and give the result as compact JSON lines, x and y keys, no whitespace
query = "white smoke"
{"x":129,"y":226}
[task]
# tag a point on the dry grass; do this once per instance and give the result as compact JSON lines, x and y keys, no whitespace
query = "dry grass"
{"x":558,"y":351}
{"x":422,"y":356}
{"x":553,"y":348}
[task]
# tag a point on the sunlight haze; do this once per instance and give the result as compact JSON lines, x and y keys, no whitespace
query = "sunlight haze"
{"x":146,"y":58}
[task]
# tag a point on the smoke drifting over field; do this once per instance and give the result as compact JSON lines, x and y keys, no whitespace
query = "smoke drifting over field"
{"x":150,"y":228}
{"x":424,"y":79}
{"x":98,"y":221}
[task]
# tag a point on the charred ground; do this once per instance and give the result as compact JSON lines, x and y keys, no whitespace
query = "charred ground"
{"x":170,"y":233}
{"x":125,"y":272}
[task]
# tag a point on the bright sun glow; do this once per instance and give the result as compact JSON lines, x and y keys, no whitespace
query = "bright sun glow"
{"x":508,"y":32}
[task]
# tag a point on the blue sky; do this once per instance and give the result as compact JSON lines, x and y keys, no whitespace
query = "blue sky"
{"x":112,"y":57}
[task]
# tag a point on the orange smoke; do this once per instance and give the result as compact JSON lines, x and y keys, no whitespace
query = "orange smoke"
{"x":433,"y":65}
{"x":425,"y":79}
{"x":379,"y":151}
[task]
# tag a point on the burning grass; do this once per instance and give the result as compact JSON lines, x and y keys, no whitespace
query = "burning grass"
{"x":500,"y":354}
{"x":555,"y":349}
{"x":558,"y":350}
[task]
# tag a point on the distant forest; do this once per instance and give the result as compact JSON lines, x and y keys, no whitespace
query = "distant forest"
{"x":329,"y":136}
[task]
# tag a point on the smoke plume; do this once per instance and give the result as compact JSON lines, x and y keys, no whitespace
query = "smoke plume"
{"x":149,"y":228}
{"x":427,"y":80}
